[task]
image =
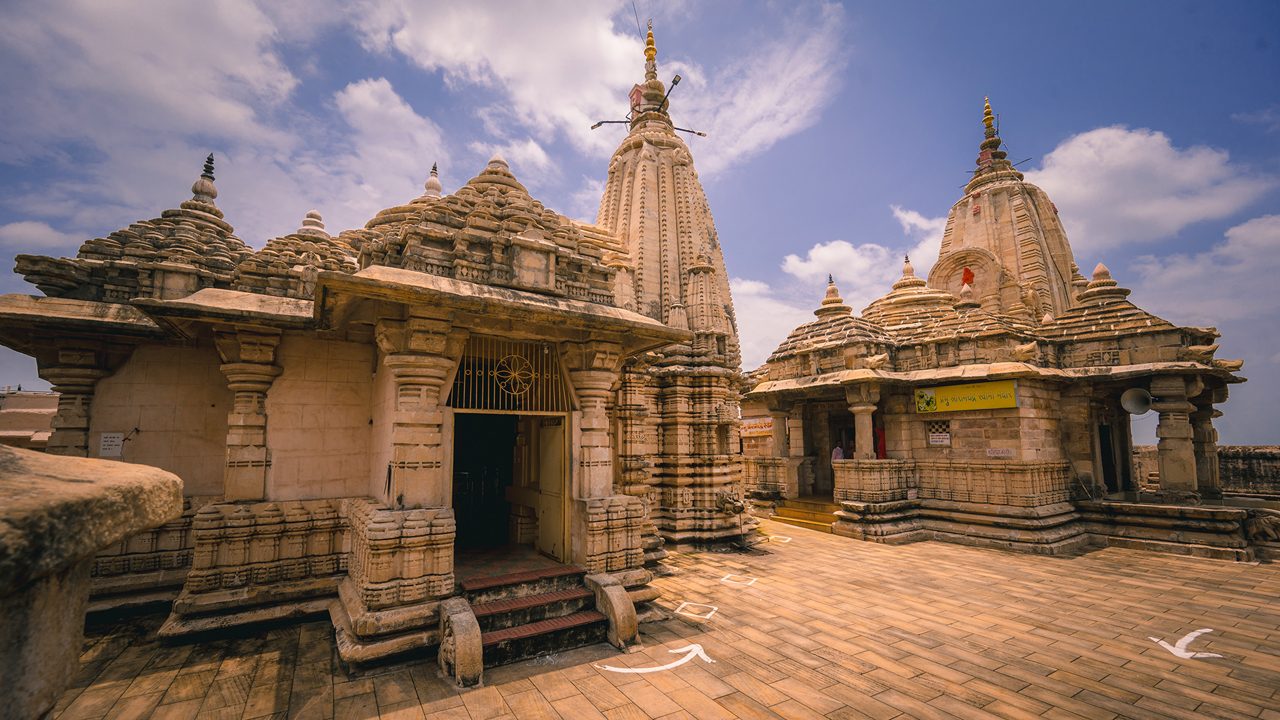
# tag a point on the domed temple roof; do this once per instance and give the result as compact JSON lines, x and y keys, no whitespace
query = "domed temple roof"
{"x":123,"y":265}
{"x":288,"y":265}
{"x":836,"y":327}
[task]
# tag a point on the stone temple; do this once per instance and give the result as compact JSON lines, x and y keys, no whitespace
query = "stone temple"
{"x":989,"y":403}
{"x":472,"y":423}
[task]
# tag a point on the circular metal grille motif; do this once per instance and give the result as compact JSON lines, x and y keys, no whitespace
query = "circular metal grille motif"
{"x":514,"y":375}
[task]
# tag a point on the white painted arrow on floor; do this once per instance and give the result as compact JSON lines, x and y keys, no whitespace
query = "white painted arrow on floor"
{"x":1180,"y":648}
{"x":690,"y":651}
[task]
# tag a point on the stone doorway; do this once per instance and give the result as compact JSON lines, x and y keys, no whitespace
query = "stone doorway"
{"x":510,"y":483}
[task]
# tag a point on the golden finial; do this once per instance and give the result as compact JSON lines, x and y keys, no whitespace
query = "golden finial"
{"x":988,"y":118}
{"x":650,"y":51}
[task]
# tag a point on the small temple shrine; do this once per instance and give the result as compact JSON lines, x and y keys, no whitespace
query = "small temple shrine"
{"x":989,"y":403}
{"x":471,"y":424}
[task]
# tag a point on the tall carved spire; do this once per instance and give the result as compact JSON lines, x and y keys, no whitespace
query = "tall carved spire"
{"x":649,"y":99}
{"x":991,"y":158}
{"x":650,"y":56}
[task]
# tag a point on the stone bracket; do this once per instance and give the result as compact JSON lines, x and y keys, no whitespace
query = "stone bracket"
{"x":615,"y":604}
{"x":461,"y":653}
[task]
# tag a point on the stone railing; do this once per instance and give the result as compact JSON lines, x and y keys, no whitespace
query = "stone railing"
{"x":614,"y":526}
{"x":399,"y":557}
{"x":151,"y":560}
{"x":766,"y":474}
{"x":875,"y":481}
{"x":1020,"y":484}
{"x":238,"y":545}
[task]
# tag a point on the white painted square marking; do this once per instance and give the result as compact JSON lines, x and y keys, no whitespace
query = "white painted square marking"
{"x":779,"y":538}
{"x":740,"y":580}
{"x":681,"y":610}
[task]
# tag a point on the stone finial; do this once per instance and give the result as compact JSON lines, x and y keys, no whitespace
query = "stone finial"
{"x":832,"y":303}
{"x":497,"y":161}
{"x":1047,"y":319}
{"x":313,"y":225}
{"x":203,"y":189}
{"x":908,"y":270}
{"x":1103,"y":286}
{"x":650,"y":50}
{"x":433,"y":185}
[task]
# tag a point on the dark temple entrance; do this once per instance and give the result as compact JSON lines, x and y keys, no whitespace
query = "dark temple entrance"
{"x":483,"y":468}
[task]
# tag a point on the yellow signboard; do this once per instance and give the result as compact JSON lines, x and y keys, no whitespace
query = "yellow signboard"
{"x":756,"y":427}
{"x":974,"y":396}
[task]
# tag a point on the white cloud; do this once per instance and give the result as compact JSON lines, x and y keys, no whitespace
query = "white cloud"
{"x":865,"y":272}
{"x":926,"y":235}
{"x":569,"y":67}
{"x":573,"y":65}
{"x":1268,"y":117}
{"x":584,"y":203}
{"x":30,"y":236}
{"x":764,"y":319}
{"x":1233,"y":281}
{"x":774,"y":91}
{"x":198,"y":68}
{"x":1117,"y":186}
{"x":528,"y":161}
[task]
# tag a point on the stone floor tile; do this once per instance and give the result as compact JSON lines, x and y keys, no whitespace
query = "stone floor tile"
{"x":485,"y":703}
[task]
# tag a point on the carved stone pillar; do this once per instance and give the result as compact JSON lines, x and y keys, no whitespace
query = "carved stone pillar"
{"x":862,"y":403}
{"x":1205,"y":440}
{"x":73,"y":373}
{"x":421,"y":355}
{"x":779,"y":418}
{"x":594,"y":369}
{"x":248,"y":362}
{"x":1175,"y":448}
{"x":795,"y":432}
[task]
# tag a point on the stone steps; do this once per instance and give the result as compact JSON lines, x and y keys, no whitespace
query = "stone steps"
{"x":797,"y":522}
{"x":815,"y":514}
{"x":534,"y":612}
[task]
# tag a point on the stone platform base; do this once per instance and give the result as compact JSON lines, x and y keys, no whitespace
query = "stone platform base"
{"x":1200,"y":531}
{"x":1043,"y":530}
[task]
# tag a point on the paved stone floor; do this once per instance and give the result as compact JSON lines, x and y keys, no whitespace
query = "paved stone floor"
{"x":814,"y":626}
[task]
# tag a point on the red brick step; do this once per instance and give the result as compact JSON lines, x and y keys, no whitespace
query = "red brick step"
{"x":529,"y":601}
{"x":484,"y":583}
{"x":542,"y":627}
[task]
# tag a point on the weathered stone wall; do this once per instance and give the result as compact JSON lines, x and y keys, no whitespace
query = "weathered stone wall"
{"x":172,"y":404}
{"x":1250,"y":469}
{"x":1029,"y":432}
{"x":318,"y":414}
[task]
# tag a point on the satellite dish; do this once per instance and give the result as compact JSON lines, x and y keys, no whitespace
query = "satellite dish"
{"x":1136,"y":401}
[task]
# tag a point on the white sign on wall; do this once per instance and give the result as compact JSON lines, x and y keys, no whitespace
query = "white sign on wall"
{"x":939,"y":438}
{"x":111,"y":445}
{"x":1000,"y":452}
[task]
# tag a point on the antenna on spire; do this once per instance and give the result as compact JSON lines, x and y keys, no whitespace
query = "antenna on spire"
{"x":637,"y":15}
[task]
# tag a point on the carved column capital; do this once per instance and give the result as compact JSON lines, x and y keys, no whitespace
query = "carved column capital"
{"x":73,"y":371}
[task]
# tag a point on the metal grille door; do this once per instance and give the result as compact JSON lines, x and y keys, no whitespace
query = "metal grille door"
{"x":500,"y":375}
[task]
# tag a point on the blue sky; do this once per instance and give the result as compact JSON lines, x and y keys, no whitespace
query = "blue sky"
{"x":839,"y":135}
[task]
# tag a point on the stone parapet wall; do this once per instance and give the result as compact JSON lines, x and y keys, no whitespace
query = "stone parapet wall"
{"x":875,"y":481}
{"x":1012,"y":483}
{"x":237,"y":545}
{"x":767,"y":474}
{"x":1244,"y":469}
{"x":153,"y":559}
{"x":614,"y":526}
{"x":399,"y":557}
{"x":1211,"y":532}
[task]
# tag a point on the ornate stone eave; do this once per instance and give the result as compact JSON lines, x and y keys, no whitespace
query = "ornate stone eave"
{"x":517,"y":307}
{"x":25,"y":320}
{"x":983,"y":372}
{"x":214,"y":305}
